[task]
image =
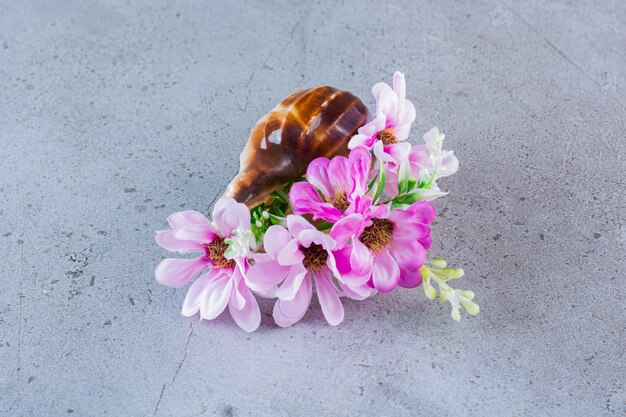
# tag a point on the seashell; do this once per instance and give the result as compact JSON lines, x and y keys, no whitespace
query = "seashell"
{"x":308,"y":124}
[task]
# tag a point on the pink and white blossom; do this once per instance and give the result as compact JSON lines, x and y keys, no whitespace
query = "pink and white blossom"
{"x":332,"y":187}
{"x":387,"y":250}
{"x":426,"y":163}
{"x":224,"y":281}
{"x":387,"y":132}
{"x":294,"y":258}
{"x":437,"y":161}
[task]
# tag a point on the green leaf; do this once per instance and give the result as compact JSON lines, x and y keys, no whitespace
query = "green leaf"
{"x":276,"y":219}
{"x":324,"y":225}
{"x":400,"y":206}
{"x":403,"y":187}
{"x":372,"y":182}
{"x":381,"y":182}
{"x":412,"y":184}
{"x":404,"y":175}
{"x":408,"y":198}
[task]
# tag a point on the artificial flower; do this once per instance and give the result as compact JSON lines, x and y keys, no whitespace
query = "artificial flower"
{"x":387,"y":132}
{"x":294,"y":257}
{"x":387,"y":250}
{"x":224,"y":283}
{"x":437,"y":270}
{"x":425,"y":164}
{"x":332,"y":187}
{"x":435,"y":162}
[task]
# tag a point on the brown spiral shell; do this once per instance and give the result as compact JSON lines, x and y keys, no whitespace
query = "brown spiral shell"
{"x":308,"y":124}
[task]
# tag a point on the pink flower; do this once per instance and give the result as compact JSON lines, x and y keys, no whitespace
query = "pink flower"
{"x":387,"y":132}
{"x":417,"y":160}
{"x":296,"y":256}
{"x":426,"y":163}
{"x":387,"y":250}
{"x":340,"y":181}
{"x":224,"y":283}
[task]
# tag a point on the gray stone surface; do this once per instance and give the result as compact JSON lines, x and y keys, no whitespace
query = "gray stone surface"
{"x":115,"y":114}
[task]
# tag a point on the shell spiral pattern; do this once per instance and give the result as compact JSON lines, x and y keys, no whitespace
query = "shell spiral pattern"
{"x":307,"y":124}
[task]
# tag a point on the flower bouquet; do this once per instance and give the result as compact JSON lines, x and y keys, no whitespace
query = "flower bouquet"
{"x":327,"y":200}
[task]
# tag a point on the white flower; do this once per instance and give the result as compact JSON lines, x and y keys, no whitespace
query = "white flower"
{"x":438,"y":272}
{"x":241,"y":244}
{"x":441,"y":163}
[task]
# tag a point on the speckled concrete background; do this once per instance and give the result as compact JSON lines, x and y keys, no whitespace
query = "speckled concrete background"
{"x":115,"y":114}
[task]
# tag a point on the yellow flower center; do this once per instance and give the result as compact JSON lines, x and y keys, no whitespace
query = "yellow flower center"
{"x":215,"y":251}
{"x":315,"y":257}
{"x":378,"y":235}
{"x":387,"y":136}
{"x":340,"y":201}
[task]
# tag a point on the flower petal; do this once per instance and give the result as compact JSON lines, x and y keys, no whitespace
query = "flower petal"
{"x":376,"y":125}
{"x":275,"y":240}
{"x":399,"y":151}
{"x":344,"y":269}
{"x":307,"y":237}
{"x":406,"y":117}
{"x":338,"y":173}
{"x":178,"y":272}
{"x":367,"y":133}
{"x":290,"y":254}
{"x":409,"y":254}
{"x":296,"y":224}
{"x":329,"y":298}
{"x":432,"y":139}
{"x":200,"y":233}
{"x":449,"y":165}
{"x":228,"y":215}
{"x":166,"y":240}
{"x":391,"y":180}
{"x":249,"y":316}
{"x":387,"y":104}
{"x":304,"y":198}
{"x":185,"y":218}
{"x":360,"y":161}
{"x":361,"y":260}
{"x":359,"y":293}
{"x":288,"y":312}
{"x":196,"y":291}
{"x":264,"y":275}
{"x":361,"y":140}
{"x":410,"y":231}
{"x":216,"y":297}
{"x":381,"y":154}
{"x":317,"y":175}
{"x":386,"y":273}
{"x":423,"y":211}
{"x":362,"y":204}
{"x":328,"y":213}
{"x":346,"y":228}
{"x":426,"y":242}
{"x":380,"y":211}
{"x":410,"y":279}
{"x":236,"y":298}
{"x":292,"y":283}
{"x":399,"y":86}
{"x":378,"y":90}
{"x":342,"y":260}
